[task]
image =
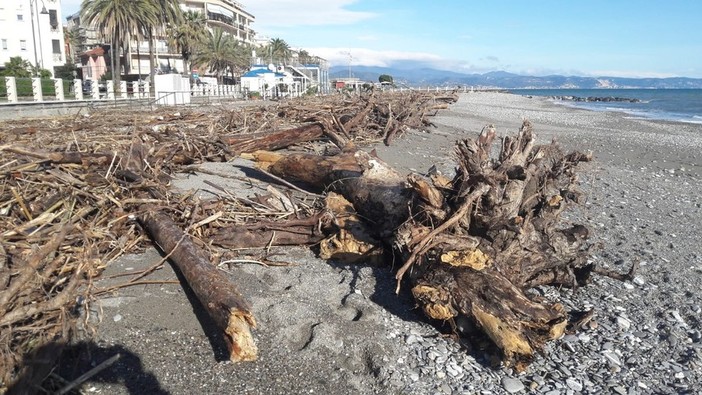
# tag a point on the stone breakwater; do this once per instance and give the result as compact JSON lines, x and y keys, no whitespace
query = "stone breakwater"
{"x":595,"y":99}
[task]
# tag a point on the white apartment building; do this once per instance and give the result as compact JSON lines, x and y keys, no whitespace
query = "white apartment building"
{"x":227,"y":15}
{"x":32,"y":29}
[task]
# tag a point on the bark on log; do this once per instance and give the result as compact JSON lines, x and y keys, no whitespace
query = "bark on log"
{"x":215,"y":291}
{"x":270,"y":233}
{"x":375,"y":189}
{"x":274,"y":141}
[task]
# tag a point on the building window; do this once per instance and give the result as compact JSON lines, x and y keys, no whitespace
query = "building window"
{"x":53,"y":19}
{"x":20,"y":17}
{"x":56,"y":45}
{"x":4,"y":43}
{"x":23,"y":45}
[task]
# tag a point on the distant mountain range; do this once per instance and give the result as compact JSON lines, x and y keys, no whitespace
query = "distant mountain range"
{"x":504,"y":80}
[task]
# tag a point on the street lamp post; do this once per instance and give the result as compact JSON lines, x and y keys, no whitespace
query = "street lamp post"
{"x":32,"y":4}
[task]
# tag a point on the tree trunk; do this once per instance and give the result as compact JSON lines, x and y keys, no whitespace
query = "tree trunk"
{"x":152,"y":64}
{"x":215,"y":291}
{"x":474,"y":245}
{"x":272,"y":141}
{"x":116,"y":66}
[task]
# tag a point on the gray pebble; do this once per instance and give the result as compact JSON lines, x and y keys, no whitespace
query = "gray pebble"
{"x":512,"y":385}
{"x":619,"y":390}
{"x":574,"y":384}
{"x":612,"y":357}
{"x":623,"y":323}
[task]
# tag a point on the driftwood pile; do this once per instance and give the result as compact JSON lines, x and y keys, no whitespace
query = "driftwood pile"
{"x":79,"y":192}
{"x":474,"y":245}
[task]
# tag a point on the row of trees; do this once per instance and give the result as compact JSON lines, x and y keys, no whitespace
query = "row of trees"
{"x":121,"y":21}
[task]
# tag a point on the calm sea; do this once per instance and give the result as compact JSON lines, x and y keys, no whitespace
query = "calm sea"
{"x":682,"y":105}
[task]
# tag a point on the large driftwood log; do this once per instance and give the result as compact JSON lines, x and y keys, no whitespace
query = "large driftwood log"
{"x":472,"y":246}
{"x":373,"y":187}
{"x":215,"y":291}
{"x":276,"y":140}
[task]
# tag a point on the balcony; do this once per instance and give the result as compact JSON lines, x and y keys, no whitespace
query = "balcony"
{"x":144,"y":49}
{"x":213,"y":16}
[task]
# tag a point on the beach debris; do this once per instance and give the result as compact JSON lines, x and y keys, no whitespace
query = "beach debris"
{"x":73,"y":186}
{"x":473,"y":247}
{"x":217,"y":293}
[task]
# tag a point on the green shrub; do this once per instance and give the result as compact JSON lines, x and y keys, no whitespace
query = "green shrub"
{"x":48,"y":90}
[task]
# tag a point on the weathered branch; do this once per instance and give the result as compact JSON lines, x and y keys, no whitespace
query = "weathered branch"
{"x":218,"y":295}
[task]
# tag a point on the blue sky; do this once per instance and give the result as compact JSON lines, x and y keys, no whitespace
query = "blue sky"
{"x":631,"y":38}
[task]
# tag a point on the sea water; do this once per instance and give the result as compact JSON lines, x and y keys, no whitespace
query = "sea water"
{"x":681,"y":105}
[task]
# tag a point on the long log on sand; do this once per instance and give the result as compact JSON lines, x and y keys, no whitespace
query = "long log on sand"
{"x":472,"y":246}
{"x":215,"y":291}
{"x":276,"y":140}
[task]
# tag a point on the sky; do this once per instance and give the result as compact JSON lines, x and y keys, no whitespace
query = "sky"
{"x":622,"y":38}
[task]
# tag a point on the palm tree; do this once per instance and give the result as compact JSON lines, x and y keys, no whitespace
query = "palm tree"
{"x":304,"y":57}
{"x":217,"y":53}
{"x":188,"y":35}
{"x":73,"y":40}
{"x":279,"y":50}
{"x":17,"y":67}
{"x":169,"y":14}
{"x":241,"y":59}
{"x":116,"y":20}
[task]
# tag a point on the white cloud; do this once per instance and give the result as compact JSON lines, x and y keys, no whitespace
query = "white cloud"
{"x":369,"y":57}
{"x":288,"y":13}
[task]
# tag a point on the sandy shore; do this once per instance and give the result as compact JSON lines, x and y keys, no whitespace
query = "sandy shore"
{"x":332,"y":329}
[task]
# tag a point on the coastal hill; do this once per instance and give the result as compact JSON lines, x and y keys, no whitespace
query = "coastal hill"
{"x":500,"y":79}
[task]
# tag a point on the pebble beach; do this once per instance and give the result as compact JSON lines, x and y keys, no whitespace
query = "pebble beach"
{"x":328,"y":328}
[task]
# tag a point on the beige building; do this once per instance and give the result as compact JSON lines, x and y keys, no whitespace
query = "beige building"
{"x":32,"y":29}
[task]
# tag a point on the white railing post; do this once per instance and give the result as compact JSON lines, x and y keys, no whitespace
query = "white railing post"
{"x":95,"y":89}
{"x":110,"y":89}
{"x":123,"y":89}
{"x":11,"y":85}
{"x":78,"y":89}
{"x":58,"y":88}
{"x":36,"y":89}
{"x":147,"y":89}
